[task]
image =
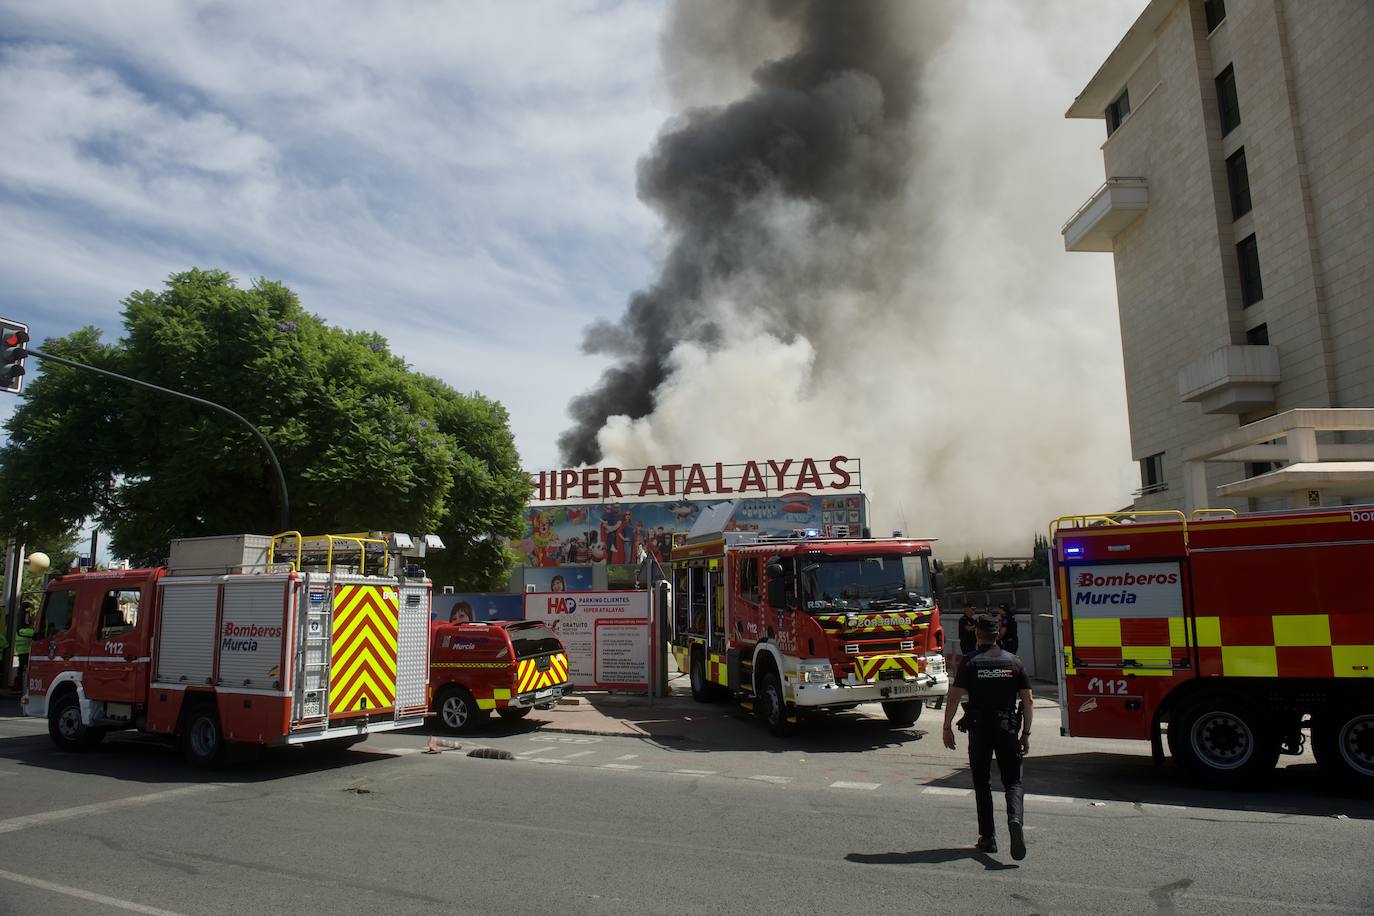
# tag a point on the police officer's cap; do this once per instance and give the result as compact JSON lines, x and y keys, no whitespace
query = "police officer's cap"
{"x":987,"y":623}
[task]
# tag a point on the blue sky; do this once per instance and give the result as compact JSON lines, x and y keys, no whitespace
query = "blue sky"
{"x":461,"y":178}
{"x":458,"y":177}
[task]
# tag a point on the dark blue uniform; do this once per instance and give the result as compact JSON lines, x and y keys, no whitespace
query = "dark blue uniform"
{"x":993,"y":679}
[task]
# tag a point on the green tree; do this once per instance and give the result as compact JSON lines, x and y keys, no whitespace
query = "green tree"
{"x":365,"y":443}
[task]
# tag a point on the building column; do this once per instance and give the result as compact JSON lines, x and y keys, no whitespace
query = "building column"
{"x":1302,"y":444}
{"x":1195,"y":492}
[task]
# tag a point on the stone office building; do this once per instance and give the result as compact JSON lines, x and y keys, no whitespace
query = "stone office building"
{"x":1239,"y":209}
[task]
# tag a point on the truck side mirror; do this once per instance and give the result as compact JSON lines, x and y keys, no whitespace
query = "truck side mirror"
{"x":775,"y":571}
{"x":937,"y":583}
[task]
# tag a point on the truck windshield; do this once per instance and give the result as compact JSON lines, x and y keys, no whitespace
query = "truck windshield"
{"x":530,"y":641}
{"x":866,"y":582}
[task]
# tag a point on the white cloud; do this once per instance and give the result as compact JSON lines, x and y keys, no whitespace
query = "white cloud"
{"x":460,"y":178}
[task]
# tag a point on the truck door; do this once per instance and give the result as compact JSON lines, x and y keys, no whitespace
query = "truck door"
{"x":117,"y":668}
{"x":54,"y":644}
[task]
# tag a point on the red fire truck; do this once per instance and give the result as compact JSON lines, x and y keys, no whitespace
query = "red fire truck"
{"x":1230,"y":633}
{"x":802,"y":624}
{"x":227,"y":644}
{"x":507,"y":667}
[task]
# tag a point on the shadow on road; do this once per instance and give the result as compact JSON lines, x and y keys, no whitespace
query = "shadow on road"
{"x":130,"y":757}
{"x":929,"y":857}
{"x":1296,"y":789}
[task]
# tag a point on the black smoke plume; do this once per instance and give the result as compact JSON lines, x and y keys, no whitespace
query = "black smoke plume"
{"x":774,"y":201}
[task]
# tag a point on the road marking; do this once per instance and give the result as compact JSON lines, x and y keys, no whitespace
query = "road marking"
{"x":854,"y":785}
{"x":627,"y":757}
{"x":563,"y":739}
{"x":547,"y":760}
{"x":526,"y":755}
{"x":65,"y":814}
{"x":696,"y":772}
{"x":577,"y":754}
{"x":942,"y":790}
{"x":1056,"y":799}
{"x":402,"y":751}
{"x":775,"y":780}
{"x":619,"y":766}
{"x":85,"y":895}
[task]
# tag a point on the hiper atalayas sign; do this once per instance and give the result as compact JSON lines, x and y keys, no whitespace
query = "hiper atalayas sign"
{"x":606,"y":635}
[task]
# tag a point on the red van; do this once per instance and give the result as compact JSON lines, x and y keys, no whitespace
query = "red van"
{"x":511,"y":667}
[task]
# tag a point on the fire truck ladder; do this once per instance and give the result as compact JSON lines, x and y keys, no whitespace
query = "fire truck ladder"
{"x":317,"y":551}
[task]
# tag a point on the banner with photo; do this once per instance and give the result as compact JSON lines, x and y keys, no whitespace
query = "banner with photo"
{"x":613,"y":533}
{"x":480,"y":608}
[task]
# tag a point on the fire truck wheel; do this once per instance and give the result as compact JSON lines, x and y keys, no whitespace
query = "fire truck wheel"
{"x":202,"y":740}
{"x":513,"y":712}
{"x":66,"y":728}
{"x":771,"y":706}
{"x":1219,"y":740}
{"x":701,"y":690}
{"x":1343,"y":741}
{"x":458,"y":711}
{"x":903,"y":713}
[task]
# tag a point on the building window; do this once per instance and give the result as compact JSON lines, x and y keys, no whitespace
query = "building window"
{"x":1247,"y":256}
{"x":1258,"y":336}
{"x":1238,"y":180}
{"x":1227,"y":103}
{"x":1118,"y":111}
{"x":1256,"y":468}
{"x":1152,"y":474}
{"x":1215,"y":10}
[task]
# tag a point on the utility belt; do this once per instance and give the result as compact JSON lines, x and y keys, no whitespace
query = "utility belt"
{"x":990,"y":720}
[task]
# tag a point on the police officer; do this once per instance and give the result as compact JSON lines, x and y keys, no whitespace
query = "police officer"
{"x":992,"y":680}
{"x":967,"y":640}
{"x":1008,"y":639}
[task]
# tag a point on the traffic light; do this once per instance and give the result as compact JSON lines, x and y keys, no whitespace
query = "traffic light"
{"x":13,"y":337}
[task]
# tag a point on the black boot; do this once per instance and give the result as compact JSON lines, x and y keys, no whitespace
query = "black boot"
{"x":986,"y":844}
{"x":1018,"y":842}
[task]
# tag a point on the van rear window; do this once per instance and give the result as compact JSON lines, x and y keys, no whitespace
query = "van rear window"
{"x":535,"y":640}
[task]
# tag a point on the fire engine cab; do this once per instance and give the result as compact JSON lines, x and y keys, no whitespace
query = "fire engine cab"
{"x":250,"y":639}
{"x":801,"y":624}
{"x":1231,"y":633}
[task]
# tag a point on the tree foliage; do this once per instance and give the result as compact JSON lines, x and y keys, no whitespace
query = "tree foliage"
{"x":977,"y":573}
{"x":365,"y":443}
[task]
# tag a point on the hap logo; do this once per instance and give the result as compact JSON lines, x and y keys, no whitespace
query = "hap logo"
{"x":562,"y":605}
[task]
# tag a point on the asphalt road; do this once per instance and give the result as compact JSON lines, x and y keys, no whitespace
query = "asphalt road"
{"x":848,"y":817}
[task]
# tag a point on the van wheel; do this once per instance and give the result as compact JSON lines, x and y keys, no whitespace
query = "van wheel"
{"x":1343,"y":741}
{"x":1219,"y":740}
{"x":458,"y":711}
{"x":65,"y":727}
{"x":772,"y":708}
{"x":512,"y":713}
{"x":202,"y":739}
{"x":903,"y":713}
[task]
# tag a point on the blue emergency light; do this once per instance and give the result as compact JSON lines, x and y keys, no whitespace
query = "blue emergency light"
{"x":1073,"y":551}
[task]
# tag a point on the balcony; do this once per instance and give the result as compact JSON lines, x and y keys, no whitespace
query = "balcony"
{"x":1231,"y":380}
{"x":1113,"y":207}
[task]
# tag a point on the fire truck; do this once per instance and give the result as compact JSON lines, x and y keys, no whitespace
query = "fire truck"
{"x":252,"y":639}
{"x":792,"y":625}
{"x":509,"y":667}
{"x":1230,"y":634}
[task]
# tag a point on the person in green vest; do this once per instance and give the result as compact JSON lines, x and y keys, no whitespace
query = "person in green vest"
{"x":23,"y":642}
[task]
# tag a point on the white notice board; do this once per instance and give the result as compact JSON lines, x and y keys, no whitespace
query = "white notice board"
{"x":606,"y":635}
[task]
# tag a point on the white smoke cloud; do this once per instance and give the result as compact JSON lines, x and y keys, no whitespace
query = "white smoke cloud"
{"x":979,"y":377}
